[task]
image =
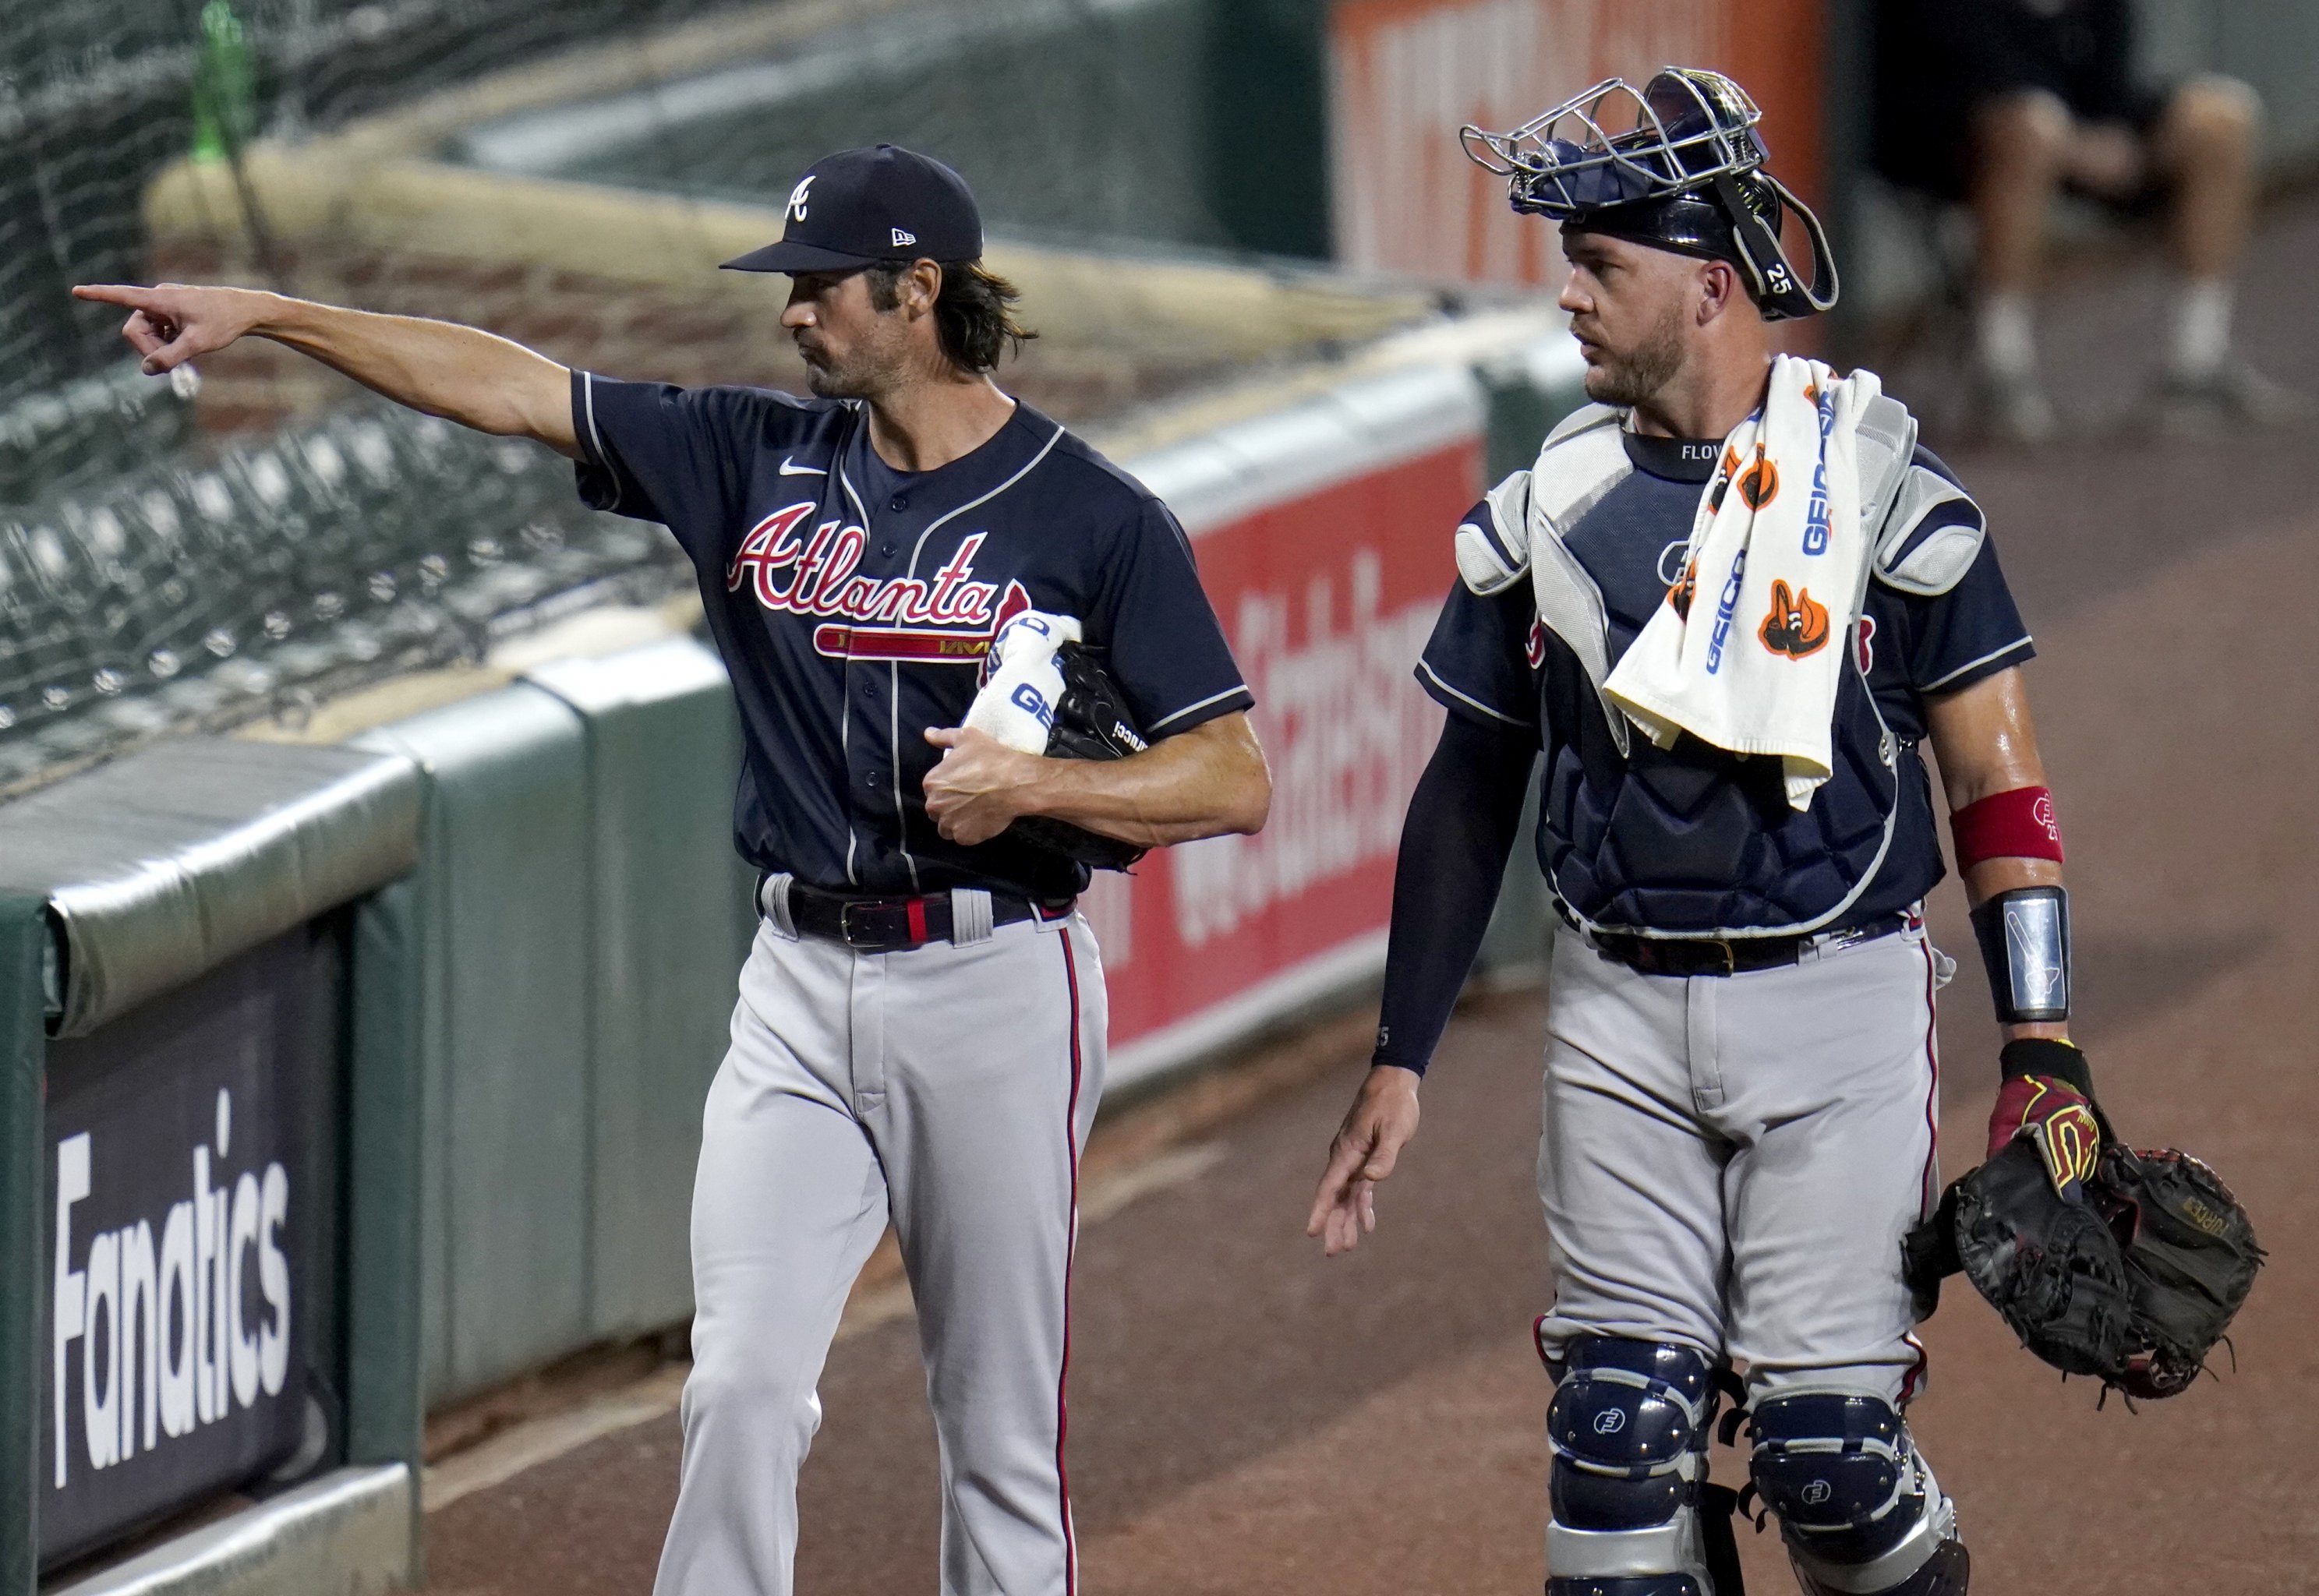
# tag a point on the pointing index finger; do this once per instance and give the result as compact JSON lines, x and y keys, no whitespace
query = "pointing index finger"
{"x":113,"y":293}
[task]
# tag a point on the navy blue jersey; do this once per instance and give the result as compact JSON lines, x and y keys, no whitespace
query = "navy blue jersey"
{"x":1491,"y":658}
{"x":853,"y":605}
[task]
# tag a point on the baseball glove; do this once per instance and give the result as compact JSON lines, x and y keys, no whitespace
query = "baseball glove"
{"x":2190,"y":1258}
{"x":1091,"y":722}
{"x":2132,"y":1280}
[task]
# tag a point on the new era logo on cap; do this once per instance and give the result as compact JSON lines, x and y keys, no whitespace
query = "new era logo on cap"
{"x":862,"y":206}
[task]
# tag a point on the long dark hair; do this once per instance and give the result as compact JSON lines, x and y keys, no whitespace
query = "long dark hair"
{"x":974,"y":314}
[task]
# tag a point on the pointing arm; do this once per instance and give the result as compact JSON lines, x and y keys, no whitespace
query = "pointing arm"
{"x":475,"y":378}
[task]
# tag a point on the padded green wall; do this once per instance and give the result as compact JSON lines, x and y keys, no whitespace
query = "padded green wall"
{"x":671,"y":923}
{"x":582,"y":917}
{"x":386,"y":1398}
{"x":502,"y":911}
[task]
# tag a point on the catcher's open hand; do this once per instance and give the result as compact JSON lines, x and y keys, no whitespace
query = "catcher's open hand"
{"x":171,"y":324}
{"x":1379,"y":1125}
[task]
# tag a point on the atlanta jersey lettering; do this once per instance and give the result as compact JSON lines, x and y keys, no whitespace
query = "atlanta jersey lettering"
{"x":854,"y":604}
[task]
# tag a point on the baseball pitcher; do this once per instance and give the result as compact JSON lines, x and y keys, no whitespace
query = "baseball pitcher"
{"x":920,"y":1033}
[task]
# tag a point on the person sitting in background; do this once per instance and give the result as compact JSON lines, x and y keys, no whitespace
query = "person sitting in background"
{"x":2002,"y":103}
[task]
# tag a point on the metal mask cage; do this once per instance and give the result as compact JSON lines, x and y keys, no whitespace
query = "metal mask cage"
{"x":1692,"y":133}
{"x":1686,"y":127}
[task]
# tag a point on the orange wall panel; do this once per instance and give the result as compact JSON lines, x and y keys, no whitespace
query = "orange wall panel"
{"x":1406,"y":74}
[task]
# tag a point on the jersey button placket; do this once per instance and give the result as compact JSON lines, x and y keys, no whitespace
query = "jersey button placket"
{"x":866,"y":776}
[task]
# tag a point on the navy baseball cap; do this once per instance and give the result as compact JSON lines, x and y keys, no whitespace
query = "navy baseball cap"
{"x":862,"y":206}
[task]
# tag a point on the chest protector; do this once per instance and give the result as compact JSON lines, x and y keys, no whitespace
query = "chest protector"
{"x":1692,"y":840}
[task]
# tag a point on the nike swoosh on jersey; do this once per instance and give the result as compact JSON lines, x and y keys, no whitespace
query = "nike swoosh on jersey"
{"x":789,"y":467}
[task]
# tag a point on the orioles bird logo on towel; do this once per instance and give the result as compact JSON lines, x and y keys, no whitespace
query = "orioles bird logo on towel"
{"x":1759,"y":484}
{"x":1797,"y":626}
{"x":1680,"y":593}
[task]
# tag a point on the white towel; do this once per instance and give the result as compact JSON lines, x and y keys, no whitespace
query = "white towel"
{"x":1747,"y":651}
{"x":1018,"y":704}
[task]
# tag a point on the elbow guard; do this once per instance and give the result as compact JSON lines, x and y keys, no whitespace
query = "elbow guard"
{"x":2025,"y":945}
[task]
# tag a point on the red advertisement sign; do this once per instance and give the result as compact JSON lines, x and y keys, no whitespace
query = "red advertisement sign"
{"x":1328,"y":597}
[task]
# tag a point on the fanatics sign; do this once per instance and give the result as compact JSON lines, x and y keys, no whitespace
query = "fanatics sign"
{"x":185,"y":1193}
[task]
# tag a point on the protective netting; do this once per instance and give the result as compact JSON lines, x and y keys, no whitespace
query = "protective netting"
{"x":97,"y":95}
{"x":152,"y":573}
{"x":373,"y":540}
{"x":171,"y":557}
{"x":1073,"y":120}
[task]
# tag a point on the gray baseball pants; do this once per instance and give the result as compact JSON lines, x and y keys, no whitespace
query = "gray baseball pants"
{"x":1729,"y":1162}
{"x":951,"y":1088}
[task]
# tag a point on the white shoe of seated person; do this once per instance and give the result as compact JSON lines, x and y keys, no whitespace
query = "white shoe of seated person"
{"x":2231,"y":395}
{"x":2013,"y":409}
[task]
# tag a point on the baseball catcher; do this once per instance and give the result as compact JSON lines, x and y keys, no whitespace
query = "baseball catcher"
{"x":1720,"y":616}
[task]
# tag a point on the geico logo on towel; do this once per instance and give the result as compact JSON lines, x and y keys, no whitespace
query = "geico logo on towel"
{"x":164,"y":1344}
{"x":1723,"y":607}
{"x":1816,"y":510}
{"x":1030,"y":702}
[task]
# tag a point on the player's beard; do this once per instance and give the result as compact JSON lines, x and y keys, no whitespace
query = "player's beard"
{"x":868,"y":371}
{"x":1634,"y":376}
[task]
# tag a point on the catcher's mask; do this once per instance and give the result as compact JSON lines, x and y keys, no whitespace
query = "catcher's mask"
{"x":1687,"y":176}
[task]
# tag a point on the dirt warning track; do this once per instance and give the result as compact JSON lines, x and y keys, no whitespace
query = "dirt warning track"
{"x":1246,"y":1417}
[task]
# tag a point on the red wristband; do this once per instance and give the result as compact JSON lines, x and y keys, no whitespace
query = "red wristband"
{"x":2016,"y":824}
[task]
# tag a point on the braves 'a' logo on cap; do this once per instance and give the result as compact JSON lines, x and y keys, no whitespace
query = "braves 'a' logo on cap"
{"x":798,"y":195}
{"x":1797,"y":624}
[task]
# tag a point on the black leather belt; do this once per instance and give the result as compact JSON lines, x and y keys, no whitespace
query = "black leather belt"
{"x":870,"y":924}
{"x":1707,"y":956}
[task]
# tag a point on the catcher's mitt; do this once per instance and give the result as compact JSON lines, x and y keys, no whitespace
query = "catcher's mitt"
{"x":1091,"y":722}
{"x":2133,"y":1282}
{"x":2190,"y":1258}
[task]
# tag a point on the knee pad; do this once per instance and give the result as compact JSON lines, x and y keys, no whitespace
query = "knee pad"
{"x":1857,"y":1506}
{"x":1629,"y":1430}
